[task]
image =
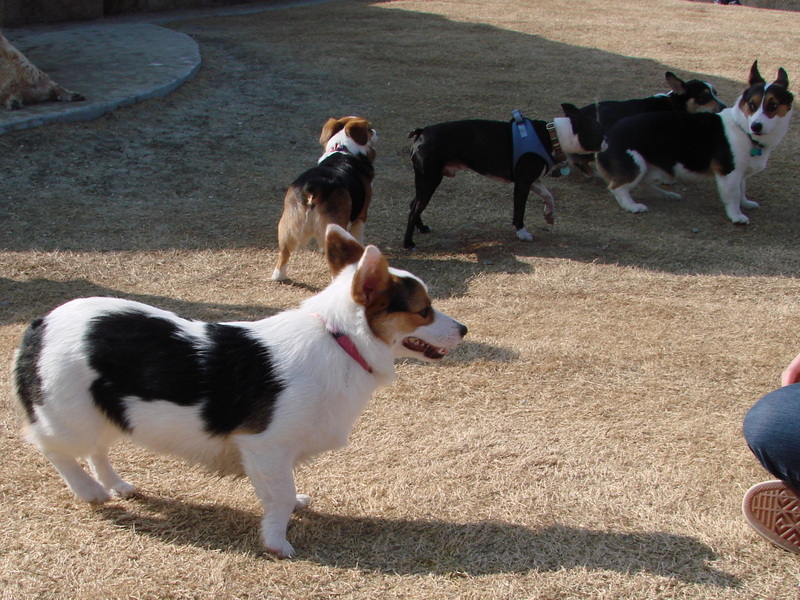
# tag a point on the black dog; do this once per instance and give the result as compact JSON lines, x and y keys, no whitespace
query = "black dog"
{"x":488,"y":148}
{"x":691,"y":96}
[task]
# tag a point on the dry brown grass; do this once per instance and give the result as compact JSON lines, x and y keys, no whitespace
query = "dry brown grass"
{"x":583,"y":443}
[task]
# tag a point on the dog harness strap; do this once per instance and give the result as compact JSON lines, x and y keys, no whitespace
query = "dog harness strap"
{"x":525,"y":140}
{"x":346,"y":343}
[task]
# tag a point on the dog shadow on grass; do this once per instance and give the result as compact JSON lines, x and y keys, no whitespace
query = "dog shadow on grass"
{"x":21,"y":301}
{"x":425,"y":546}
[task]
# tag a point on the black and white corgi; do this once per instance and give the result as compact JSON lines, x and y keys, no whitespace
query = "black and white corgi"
{"x":684,"y":96}
{"x":252,"y":398}
{"x":337,"y":191}
{"x":487,"y":147}
{"x":652,"y":148}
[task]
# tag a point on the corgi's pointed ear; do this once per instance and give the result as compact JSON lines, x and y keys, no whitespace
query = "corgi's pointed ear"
{"x":675,"y":83}
{"x":372,"y":283}
{"x":570,"y":110}
{"x":783,"y":78}
{"x":341,"y":249}
{"x":755,"y":76}
{"x":331,"y":128}
{"x":358,"y":130}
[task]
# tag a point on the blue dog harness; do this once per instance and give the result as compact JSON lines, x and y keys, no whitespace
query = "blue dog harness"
{"x":525,"y":140}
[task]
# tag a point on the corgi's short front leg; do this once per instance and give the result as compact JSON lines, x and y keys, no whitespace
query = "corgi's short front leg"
{"x":731,"y":191}
{"x":745,"y":202}
{"x":271,"y":473}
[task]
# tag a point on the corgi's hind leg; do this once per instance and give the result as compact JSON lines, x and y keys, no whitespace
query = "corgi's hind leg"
{"x":83,"y":485}
{"x":623,"y":196}
{"x":63,"y":443}
{"x":290,"y":238}
{"x":107,"y":476}
{"x":623,"y":171}
{"x":651,"y":185}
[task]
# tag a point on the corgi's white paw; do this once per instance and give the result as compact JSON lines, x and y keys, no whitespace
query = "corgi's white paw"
{"x":278,"y":275}
{"x":279,"y":548}
{"x":123,"y":489}
{"x":93,"y":493}
{"x":635,"y":207}
{"x":301,"y":502}
{"x":739,"y":219}
{"x":745,"y":203}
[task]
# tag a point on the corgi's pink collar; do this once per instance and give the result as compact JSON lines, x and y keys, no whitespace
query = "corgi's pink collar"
{"x":346,"y":343}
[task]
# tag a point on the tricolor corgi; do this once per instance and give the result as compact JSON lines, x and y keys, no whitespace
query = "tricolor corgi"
{"x":337,"y":191}
{"x":652,"y":148}
{"x":253,"y":398}
{"x":685,"y":96}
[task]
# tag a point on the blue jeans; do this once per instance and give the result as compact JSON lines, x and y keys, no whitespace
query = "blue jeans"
{"x":772,"y":430}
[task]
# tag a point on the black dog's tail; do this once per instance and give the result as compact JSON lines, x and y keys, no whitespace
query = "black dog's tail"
{"x":416,"y":133}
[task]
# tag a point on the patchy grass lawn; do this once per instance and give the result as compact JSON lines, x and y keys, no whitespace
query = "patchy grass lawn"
{"x":584,"y":442}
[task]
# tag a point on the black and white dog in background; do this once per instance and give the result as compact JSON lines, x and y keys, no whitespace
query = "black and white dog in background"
{"x":684,"y":96}
{"x":653,"y":148}
{"x":487,"y":147}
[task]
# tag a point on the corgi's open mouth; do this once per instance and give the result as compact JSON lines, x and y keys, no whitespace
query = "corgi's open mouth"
{"x":417,"y":345}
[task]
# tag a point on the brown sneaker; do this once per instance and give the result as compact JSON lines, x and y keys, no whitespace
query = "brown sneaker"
{"x":773,"y":510}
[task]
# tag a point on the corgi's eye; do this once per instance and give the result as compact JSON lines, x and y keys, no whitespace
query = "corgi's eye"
{"x":752,"y":106}
{"x":772,"y":106}
{"x":425,"y":312}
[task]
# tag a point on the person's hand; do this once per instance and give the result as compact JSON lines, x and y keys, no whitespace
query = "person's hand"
{"x":792,"y":373}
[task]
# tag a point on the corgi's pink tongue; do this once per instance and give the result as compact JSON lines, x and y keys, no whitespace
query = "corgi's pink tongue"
{"x":417,"y":345}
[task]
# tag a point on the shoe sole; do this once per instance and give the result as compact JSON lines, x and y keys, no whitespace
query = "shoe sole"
{"x":774,"y":512}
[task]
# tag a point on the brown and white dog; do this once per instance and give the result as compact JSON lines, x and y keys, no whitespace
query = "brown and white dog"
{"x":23,"y":83}
{"x":254,"y":398}
{"x":337,"y":191}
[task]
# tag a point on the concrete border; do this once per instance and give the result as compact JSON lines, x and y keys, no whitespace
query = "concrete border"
{"x":114,"y":63}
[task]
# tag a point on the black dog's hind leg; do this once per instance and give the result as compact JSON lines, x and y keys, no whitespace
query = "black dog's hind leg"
{"x":425,"y":186}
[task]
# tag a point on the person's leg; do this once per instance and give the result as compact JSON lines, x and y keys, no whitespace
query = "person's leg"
{"x":772,"y":431}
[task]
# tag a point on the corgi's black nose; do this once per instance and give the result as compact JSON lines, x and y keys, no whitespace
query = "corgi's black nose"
{"x":462,"y":330}
{"x":756,"y":127}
